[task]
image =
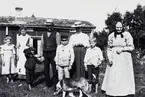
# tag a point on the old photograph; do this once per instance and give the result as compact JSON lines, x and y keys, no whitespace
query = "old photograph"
{"x":72,"y":48}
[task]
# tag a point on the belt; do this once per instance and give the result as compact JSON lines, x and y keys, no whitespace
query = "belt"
{"x":79,"y":46}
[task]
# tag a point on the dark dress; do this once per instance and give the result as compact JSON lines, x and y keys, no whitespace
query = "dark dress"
{"x":79,"y":41}
{"x":30,"y":65}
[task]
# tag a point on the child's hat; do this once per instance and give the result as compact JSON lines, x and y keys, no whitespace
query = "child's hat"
{"x":64,"y":37}
{"x":22,"y":28}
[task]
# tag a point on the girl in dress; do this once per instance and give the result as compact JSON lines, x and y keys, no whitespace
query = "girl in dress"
{"x":8,"y":59}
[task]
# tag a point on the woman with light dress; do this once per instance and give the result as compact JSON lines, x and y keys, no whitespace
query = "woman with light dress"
{"x":119,"y":75}
{"x":8,"y":59}
{"x":23,"y":42}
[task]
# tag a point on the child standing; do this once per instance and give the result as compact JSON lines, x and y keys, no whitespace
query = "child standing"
{"x":92,"y":60}
{"x":8,"y":59}
{"x":64,"y":58}
{"x":31,"y":60}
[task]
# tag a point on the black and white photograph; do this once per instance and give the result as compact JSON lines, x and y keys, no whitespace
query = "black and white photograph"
{"x":72,"y":48}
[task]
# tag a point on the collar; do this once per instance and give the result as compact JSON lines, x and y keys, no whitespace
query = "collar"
{"x":94,"y":48}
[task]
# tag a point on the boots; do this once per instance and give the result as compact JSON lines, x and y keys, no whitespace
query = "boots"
{"x":29,"y":87}
{"x":90,"y":87}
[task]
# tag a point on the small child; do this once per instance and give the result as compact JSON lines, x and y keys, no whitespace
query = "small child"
{"x":64,"y":58}
{"x":8,"y":59}
{"x":92,"y":60}
{"x":30,"y":65}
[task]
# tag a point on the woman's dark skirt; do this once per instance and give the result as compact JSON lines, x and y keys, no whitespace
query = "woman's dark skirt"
{"x":78,"y":69}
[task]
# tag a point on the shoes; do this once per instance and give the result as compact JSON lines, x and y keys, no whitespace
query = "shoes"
{"x":8,"y":80}
{"x":29,"y":87}
{"x":12,"y":80}
{"x":20,"y":85}
{"x":56,"y":93}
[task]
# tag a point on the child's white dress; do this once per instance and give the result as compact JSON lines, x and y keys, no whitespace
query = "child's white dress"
{"x":8,"y":51}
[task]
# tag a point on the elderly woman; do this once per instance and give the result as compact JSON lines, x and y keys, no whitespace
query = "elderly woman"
{"x":79,"y":41}
{"x":119,"y":76}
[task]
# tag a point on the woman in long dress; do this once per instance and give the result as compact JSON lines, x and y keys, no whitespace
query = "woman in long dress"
{"x":8,"y":59}
{"x":119,"y":75}
{"x":23,"y":42}
{"x":79,"y":41}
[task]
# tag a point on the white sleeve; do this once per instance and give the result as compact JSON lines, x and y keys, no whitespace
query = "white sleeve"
{"x":57,"y":54}
{"x":71,"y":41}
{"x":86,"y":41}
{"x":2,"y":50}
{"x":14,"y":50}
{"x":86,"y":58}
{"x":100,"y":55}
{"x":129,"y":42}
{"x":110,"y":55}
{"x":72,"y":55}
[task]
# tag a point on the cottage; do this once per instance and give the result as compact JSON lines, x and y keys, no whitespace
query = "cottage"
{"x":36,"y":26}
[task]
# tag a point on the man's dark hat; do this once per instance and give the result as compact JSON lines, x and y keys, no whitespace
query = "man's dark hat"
{"x":22,"y":28}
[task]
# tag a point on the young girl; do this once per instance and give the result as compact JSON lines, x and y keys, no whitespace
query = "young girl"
{"x":8,"y":58}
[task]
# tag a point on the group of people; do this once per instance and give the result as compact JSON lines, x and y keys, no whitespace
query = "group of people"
{"x":13,"y":56}
{"x":72,"y":57}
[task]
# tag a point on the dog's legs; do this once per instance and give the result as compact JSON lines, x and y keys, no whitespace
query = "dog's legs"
{"x":81,"y":94}
{"x":87,"y":94}
{"x":71,"y":94}
{"x":58,"y":88}
{"x":63,"y":94}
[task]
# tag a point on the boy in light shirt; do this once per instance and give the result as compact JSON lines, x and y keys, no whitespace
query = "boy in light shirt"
{"x":64,"y":58}
{"x":92,"y":60}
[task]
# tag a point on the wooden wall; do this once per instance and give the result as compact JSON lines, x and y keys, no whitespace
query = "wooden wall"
{"x":12,"y":31}
{"x":36,"y":33}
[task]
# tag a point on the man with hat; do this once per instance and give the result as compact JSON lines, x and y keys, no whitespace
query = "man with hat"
{"x":49,"y":42}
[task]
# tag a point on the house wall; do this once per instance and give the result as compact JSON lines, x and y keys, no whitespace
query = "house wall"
{"x":12,"y":31}
{"x":36,"y":33}
{"x":2,"y":34}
